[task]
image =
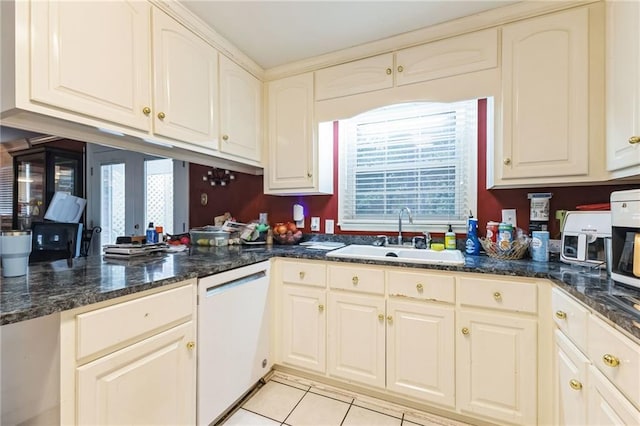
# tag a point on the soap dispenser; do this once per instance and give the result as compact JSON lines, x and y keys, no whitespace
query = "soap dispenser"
{"x":450,"y":239}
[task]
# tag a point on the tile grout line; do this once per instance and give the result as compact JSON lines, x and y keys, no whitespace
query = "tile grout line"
{"x":347,"y":413}
{"x":297,"y":403}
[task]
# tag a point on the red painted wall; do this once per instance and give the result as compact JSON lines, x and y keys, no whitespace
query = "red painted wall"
{"x":244,"y":198}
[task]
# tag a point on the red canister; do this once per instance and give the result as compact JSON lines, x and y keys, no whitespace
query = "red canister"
{"x":492,"y":231}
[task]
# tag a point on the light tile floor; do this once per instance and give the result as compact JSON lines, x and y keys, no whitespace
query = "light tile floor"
{"x":294,"y":401}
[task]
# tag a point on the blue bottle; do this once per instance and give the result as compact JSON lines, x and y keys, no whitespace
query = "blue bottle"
{"x":152,"y":235}
{"x":472,"y":246}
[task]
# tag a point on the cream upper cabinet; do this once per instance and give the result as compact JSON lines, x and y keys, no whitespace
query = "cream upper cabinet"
{"x":360,"y":76}
{"x":552,"y":83}
{"x":357,"y":338}
{"x":185,"y":82}
{"x":79,"y":63}
{"x":421,"y":350}
{"x":430,"y":61}
{"x":297,"y":163}
{"x":623,"y":88}
{"x":240,"y":111}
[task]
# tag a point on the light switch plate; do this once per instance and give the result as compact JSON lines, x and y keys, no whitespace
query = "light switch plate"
{"x":328,"y":226}
{"x":315,"y":224}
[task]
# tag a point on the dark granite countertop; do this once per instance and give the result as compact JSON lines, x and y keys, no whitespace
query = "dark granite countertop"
{"x":54,"y":287}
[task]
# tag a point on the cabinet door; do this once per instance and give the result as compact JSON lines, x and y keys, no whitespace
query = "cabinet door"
{"x":545,"y":63}
{"x":292,"y":139}
{"x":623,"y":85}
{"x":240,"y":111}
{"x":185,"y":82}
{"x":150,"y":382}
{"x":497,"y":366}
{"x":92,"y":58}
{"x":571,"y":382}
{"x":304,"y":328}
{"x":361,"y":76}
{"x":420,"y":351}
{"x":607,"y":406}
{"x":357,"y":338}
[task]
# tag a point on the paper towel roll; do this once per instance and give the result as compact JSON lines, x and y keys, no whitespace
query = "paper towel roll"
{"x":298,"y":212}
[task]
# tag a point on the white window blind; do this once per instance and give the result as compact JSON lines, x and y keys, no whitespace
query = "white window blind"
{"x":417,"y":155}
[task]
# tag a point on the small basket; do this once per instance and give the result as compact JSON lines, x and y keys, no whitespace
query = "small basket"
{"x":516,"y":250}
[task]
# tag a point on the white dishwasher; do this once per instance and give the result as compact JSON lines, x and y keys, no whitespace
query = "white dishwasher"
{"x":233,"y":337}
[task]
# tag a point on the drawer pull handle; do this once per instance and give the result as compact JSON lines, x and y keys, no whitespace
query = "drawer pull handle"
{"x":161,"y":115}
{"x":146,"y":110}
{"x":610,"y":360}
{"x":355,"y":280}
{"x":388,"y":71}
{"x":381,"y":317}
{"x":225,"y":137}
{"x":191,"y":345}
{"x":302,"y":275}
{"x":634,"y":140}
{"x":561,"y":315}
{"x":390,"y":318}
{"x":400,"y":68}
{"x":575,"y":385}
{"x":321,"y":307}
{"x":465,"y":331}
{"x":419,"y":287}
{"x":497,"y":296}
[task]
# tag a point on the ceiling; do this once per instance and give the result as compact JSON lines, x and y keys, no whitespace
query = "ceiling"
{"x":273,"y":33}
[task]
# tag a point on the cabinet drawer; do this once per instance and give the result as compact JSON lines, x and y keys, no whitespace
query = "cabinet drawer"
{"x":616,"y":356}
{"x":422,"y":286}
{"x":103,"y":328}
{"x":304,"y":273}
{"x":357,"y":279}
{"x":570,"y":317}
{"x":495,"y":294}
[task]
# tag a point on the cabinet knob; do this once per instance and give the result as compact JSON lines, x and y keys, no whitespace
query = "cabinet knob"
{"x":561,"y":315}
{"x":390,"y":318}
{"x":610,"y":360}
{"x":161,"y":115}
{"x":634,"y":140}
{"x":321,"y":307}
{"x":400,"y":68}
{"x":381,"y":317}
{"x":497,"y":296}
{"x":225,"y":137}
{"x":465,"y":331}
{"x":507,"y":161}
{"x":419,"y":287}
{"x":389,"y":71}
{"x":302,"y":275}
{"x":309,"y":175}
{"x":146,"y":110}
{"x":191,"y":345}
{"x":355,"y":280}
{"x":575,"y":385}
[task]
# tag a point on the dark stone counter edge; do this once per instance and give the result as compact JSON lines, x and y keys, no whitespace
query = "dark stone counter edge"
{"x":620,"y":318}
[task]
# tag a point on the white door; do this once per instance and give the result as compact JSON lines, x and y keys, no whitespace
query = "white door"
{"x":93,"y":58}
{"x":420,"y":351}
{"x":304,"y":328}
{"x":127,"y":190}
{"x":151,"y":382}
{"x":356,"y":342}
{"x":497,"y":366}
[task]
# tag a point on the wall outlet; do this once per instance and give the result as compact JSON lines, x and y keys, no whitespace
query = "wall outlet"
{"x":328,"y":226}
{"x":315,"y":224}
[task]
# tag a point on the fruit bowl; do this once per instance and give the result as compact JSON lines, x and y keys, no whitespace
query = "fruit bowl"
{"x":286,"y":233}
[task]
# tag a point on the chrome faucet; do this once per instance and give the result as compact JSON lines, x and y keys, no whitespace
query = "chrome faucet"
{"x":400,"y":222}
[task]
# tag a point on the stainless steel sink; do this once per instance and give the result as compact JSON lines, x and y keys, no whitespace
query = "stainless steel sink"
{"x":400,"y":254}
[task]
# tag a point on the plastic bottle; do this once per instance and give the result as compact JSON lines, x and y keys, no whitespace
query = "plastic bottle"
{"x":450,"y":239}
{"x":473,"y":244}
{"x":151,"y":234}
{"x":159,"y":234}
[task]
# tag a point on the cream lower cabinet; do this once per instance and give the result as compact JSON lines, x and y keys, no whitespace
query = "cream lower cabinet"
{"x":357,"y":338}
{"x":607,"y":406}
{"x":571,"y":382}
{"x":421,"y":350}
{"x":131,"y":361}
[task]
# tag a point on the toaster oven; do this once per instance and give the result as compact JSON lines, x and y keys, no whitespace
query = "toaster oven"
{"x":625,"y":237}
{"x":583,"y":237}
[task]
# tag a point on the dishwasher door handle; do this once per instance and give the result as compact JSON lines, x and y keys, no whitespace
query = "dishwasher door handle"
{"x":222,"y":287}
